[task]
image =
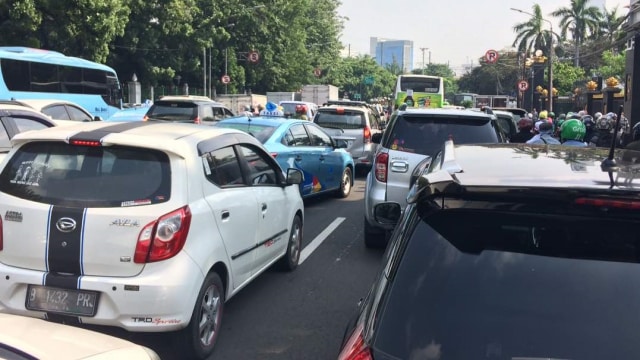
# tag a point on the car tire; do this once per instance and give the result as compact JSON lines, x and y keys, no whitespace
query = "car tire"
{"x":345,"y":183}
{"x":291,"y":258}
{"x":374,"y":238}
{"x":200,"y":336}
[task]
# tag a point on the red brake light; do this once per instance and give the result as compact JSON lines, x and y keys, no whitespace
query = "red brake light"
{"x":382,"y":165}
{"x":274,"y":154}
{"x":339,"y":110}
{"x":610,"y":203}
{"x":197,"y":120}
{"x":355,"y":348}
{"x":163,"y":238}
{"x":367,"y":134}
{"x":85,"y":143}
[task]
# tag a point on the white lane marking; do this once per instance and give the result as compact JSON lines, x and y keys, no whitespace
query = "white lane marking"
{"x":306,"y":252}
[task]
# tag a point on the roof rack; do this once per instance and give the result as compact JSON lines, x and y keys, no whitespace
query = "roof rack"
{"x":346,"y":103}
{"x":186,"y":97}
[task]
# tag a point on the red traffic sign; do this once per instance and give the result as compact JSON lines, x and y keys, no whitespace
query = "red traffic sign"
{"x":523,"y":85}
{"x":253,"y":57}
{"x":317,"y":72}
{"x":491,"y":56}
{"x":225,"y":79}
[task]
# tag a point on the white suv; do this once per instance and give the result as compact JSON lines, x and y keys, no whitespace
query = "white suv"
{"x":145,"y":226}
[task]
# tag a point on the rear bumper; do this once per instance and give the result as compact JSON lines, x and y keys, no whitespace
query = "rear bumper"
{"x":375,"y":193}
{"x":160,"y":298}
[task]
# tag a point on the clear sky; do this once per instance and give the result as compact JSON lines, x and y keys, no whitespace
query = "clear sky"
{"x":455,"y":31}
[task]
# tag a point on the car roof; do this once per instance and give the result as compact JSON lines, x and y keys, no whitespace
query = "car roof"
{"x":172,"y":137}
{"x":187,"y":98}
{"x":42,"y":103}
{"x":262,"y":120}
{"x":534,"y":166}
{"x":466,"y":113}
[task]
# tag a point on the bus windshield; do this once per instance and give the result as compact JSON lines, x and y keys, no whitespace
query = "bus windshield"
{"x":27,"y":73}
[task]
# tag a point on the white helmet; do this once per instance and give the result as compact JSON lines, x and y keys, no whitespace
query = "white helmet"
{"x":597,"y":115}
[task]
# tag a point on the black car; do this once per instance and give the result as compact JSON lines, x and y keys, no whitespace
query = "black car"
{"x":188,"y":109}
{"x":509,"y":251}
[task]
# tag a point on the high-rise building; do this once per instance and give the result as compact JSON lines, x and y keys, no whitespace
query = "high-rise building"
{"x":389,"y":51}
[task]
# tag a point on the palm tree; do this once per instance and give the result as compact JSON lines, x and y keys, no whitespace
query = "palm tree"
{"x":581,"y":20}
{"x":611,"y":26}
{"x":531,"y":34}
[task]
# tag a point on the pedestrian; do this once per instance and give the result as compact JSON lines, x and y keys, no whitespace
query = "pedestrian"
{"x":534,"y":114}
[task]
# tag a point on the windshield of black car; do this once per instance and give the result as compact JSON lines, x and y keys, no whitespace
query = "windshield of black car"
{"x":478,"y":283}
{"x":173,"y":111}
{"x":84,"y":176}
{"x":347,"y":119}
{"x":260,"y":132}
{"x":426,"y":134}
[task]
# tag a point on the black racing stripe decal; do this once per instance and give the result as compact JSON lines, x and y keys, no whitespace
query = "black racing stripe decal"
{"x":246,"y":251}
{"x":64,"y":247}
{"x":96,"y":135}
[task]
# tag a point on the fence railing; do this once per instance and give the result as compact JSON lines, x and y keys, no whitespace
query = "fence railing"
{"x":155,"y":92}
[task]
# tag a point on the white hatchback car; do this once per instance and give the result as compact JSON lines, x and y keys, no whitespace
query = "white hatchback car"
{"x":142,"y":225}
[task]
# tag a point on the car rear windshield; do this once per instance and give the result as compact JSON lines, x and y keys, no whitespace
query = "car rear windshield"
{"x":425,"y":134}
{"x":60,"y":174}
{"x":347,"y":119}
{"x":505,"y":286}
{"x":173,"y":111}
{"x":260,"y":132}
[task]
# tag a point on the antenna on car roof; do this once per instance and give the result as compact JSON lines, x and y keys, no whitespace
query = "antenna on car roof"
{"x":609,"y":164}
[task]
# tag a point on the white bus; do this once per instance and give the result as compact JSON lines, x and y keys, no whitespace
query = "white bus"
{"x":427,"y":91}
{"x":27,"y":73}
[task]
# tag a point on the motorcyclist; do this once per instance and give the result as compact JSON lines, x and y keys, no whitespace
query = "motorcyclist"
{"x":590,"y":127}
{"x":525,"y":125}
{"x":603,"y":134}
{"x":572,"y":133}
{"x":301,"y":112}
{"x":544,"y":134}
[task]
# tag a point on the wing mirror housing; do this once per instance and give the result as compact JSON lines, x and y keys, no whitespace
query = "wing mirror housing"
{"x":294,"y":176}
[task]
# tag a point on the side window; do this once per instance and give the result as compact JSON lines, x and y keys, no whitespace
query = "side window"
{"x":218,"y":114}
{"x":207,"y":113}
{"x":57,"y":112}
{"x":300,"y":136}
{"x":319,"y":137}
{"x":222,"y":167}
{"x":5,"y":142}
{"x":24,"y":124}
{"x":261,"y":172}
{"x":77,"y":114}
{"x":288,"y":139}
{"x":227,"y":113}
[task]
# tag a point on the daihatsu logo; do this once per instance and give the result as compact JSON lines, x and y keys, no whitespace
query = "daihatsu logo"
{"x":66,"y":224}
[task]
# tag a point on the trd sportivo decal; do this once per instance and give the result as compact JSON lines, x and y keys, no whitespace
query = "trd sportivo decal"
{"x":13,"y":216}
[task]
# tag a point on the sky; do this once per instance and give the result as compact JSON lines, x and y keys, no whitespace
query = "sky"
{"x":456,"y":32}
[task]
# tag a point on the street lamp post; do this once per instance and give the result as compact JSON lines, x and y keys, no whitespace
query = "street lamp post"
{"x":423,"y":49}
{"x":550,"y":93}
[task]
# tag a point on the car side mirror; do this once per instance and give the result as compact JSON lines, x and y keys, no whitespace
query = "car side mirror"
{"x":340,"y":143}
{"x":387,"y":213}
{"x":97,"y":118}
{"x":376,"y":138}
{"x":294,"y":176}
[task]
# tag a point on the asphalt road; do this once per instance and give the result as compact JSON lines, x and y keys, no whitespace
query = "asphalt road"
{"x":302,"y":314}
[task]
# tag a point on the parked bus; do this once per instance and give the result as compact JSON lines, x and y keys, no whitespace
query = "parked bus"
{"x":427,"y":91}
{"x":27,"y":73}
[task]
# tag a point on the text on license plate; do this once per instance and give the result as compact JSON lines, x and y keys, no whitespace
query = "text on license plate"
{"x":63,"y":301}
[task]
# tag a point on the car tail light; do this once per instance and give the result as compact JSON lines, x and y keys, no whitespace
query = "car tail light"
{"x":197,"y":120}
{"x":85,"y":143}
{"x":164,"y":237}
{"x":355,"y":348}
{"x":382,"y":165}
{"x":609,"y":203}
{"x":367,"y":135}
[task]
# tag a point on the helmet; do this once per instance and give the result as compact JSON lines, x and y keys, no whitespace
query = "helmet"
{"x":588,"y":122}
{"x":525,"y":124}
{"x":562,"y":116}
{"x":576,"y":116}
{"x":543,"y":114}
{"x":597,"y":115}
{"x":301,"y":109}
{"x":603,"y":123}
{"x":530,"y":115}
{"x":552,"y":115}
{"x":572,"y":129}
{"x":612,"y":116}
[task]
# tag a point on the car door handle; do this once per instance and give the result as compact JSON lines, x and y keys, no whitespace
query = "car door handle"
{"x":225,"y":214}
{"x":399,"y":166}
{"x":264,"y":207}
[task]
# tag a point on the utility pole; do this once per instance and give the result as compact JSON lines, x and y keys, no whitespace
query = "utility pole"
{"x":423,"y":49}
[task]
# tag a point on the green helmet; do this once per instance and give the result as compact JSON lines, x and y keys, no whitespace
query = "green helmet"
{"x":572,"y":129}
{"x":552,"y":115}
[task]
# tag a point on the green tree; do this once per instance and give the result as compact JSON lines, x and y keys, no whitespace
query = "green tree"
{"x":350,"y":73}
{"x":565,"y":76}
{"x":499,"y":78}
{"x":580,"y":20}
{"x":614,"y":64}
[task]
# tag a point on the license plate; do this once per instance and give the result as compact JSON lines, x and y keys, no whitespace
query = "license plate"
{"x":62,"y":301}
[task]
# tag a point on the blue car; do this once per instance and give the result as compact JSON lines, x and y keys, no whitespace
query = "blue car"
{"x":301,"y":144}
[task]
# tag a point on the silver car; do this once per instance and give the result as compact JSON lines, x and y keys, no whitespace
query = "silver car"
{"x":412,"y":137}
{"x":355,"y":121}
